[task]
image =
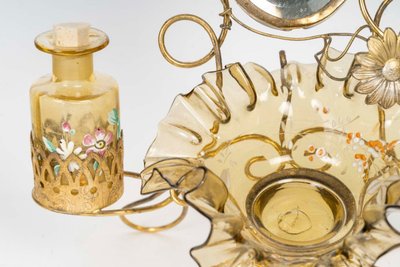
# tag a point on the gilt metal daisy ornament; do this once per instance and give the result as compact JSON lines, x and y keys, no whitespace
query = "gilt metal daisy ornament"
{"x":378,"y":70}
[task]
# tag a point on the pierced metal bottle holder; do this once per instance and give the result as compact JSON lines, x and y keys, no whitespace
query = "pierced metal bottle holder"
{"x":295,"y":167}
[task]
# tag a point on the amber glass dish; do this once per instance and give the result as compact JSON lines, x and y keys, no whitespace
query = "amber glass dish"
{"x":291,"y":168}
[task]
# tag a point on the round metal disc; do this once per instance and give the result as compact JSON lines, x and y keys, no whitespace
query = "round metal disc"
{"x":290,"y":14}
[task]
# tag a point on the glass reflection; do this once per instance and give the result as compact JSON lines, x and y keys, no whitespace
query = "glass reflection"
{"x":293,"y":9}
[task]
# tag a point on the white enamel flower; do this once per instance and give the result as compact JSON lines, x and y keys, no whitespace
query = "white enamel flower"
{"x":66,"y":149}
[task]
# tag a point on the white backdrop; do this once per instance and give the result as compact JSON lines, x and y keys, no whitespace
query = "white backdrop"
{"x":32,"y":236}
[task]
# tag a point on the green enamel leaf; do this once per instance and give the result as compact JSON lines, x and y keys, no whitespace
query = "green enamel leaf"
{"x":56,"y":170}
{"x":49,"y":145}
{"x":119,"y":131}
{"x":113,"y":117}
{"x":95,"y":165}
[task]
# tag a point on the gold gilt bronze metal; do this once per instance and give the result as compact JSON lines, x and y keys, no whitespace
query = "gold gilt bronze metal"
{"x":94,"y":189}
{"x":87,"y":191}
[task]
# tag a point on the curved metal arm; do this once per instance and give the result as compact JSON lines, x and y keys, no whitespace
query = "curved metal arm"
{"x":229,"y":17}
{"x":216,"y":41}
{"x":381,"y":10}
{"x":374,"y":27}
{"x":216,"y":49}
{"x":138,"y":208}
{"x":154,"y":229}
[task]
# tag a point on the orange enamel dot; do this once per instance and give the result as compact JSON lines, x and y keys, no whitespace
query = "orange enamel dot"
{"x":364,"y":163}
{"x":360,"y":156}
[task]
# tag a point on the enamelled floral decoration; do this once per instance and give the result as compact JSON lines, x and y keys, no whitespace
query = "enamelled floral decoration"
{"x":78,"y":168}
{"x":378,"y":70}
{"x":97,"y":142}
{"x":66,"y":148}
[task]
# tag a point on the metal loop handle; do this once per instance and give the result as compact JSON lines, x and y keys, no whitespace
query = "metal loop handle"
{"x":174,"y":197}
{"x":216,"y":41}
{"x":190,"y":64}
{"x":138,"y":208}
{"x":154,"y":229}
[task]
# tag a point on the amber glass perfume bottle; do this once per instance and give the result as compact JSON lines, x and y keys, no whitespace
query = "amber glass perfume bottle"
{"x":77,"y":151}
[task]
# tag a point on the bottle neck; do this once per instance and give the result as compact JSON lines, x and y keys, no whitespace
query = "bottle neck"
{"x":72,"y":67}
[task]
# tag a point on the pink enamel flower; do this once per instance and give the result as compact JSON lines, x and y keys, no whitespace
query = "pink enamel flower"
{"x":66,"y":127}
{"x":99,"y":142}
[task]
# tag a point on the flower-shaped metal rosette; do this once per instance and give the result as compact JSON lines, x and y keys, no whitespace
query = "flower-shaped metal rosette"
{"x":287,"y":174}
{"x":379,"y":70}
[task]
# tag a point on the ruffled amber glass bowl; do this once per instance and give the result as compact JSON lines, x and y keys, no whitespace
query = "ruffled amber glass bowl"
{"x":291,"y":168}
